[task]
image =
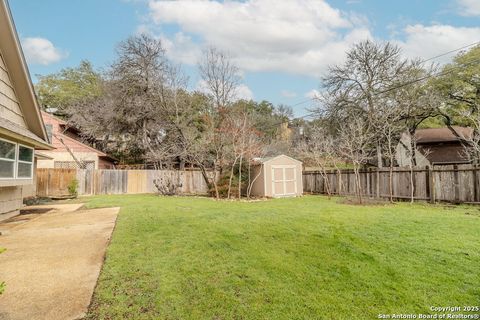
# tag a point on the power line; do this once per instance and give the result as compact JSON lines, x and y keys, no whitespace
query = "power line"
{"x":441,"y":73}
{"x":421,"y":62}
{"x":451,"y":51}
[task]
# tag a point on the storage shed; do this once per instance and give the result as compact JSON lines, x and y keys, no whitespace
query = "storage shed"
{"x":279,"y":176}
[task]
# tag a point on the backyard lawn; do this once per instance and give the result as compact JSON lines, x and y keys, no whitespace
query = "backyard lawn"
{"x":305,"y":258}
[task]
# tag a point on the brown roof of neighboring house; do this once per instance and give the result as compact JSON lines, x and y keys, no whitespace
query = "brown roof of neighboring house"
{"x":445,"y":134}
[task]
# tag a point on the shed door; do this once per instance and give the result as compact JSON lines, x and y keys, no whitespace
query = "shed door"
{"x":284,"y":181}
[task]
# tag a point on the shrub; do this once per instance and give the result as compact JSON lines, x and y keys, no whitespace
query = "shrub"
{"x":73,"y":187}
{"x":167,"y":186}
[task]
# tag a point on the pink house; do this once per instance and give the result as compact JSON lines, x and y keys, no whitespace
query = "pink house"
{"x":69,"y":151}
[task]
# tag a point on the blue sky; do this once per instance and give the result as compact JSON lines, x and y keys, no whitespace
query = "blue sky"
{"x":282,"y":47}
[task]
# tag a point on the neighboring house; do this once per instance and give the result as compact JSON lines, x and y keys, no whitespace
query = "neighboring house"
{"x":21,"y":127}
{"x":436,"y":146}
{"x":70,"y":152}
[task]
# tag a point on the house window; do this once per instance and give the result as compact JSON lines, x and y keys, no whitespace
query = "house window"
{"x":16,"y":160}
{"x":25,"y":162}
{"x":8,"y":152}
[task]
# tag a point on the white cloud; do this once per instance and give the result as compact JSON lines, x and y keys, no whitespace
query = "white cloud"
{"x":313,"y":94}
{"x":244,"y":92}
{"x":301,"y":37}
{"x":181,"y":48}
{"x":469,"y":7}
{"x":428,"y":41}
{"x":288,"y":94}
{"x":41,"y":51}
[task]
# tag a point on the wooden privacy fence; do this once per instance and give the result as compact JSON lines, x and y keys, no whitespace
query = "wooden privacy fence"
{"x":455,"y":183}
{"x":54,"y":182}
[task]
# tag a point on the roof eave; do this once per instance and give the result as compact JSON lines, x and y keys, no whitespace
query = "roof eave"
{"x":19,"y":137}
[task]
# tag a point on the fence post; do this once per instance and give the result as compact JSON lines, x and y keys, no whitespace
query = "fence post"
{"x":377,"y":182}
{"x":456,"y":184}
{"x":475,"y":183}
{"x":48,"y":183}
{"x":368,"y":181}
{"x":431,"y":184}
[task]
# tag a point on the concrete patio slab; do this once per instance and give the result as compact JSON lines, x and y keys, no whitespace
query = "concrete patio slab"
{"x":52,"y":263}
{"x":32,"y":212}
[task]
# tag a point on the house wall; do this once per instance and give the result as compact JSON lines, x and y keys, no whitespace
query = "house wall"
{"x":104,"y":164}
{"x":11,"y":191}
{"x":9,"y":105}
{"x":403,"y":154}
{"x":68,"y":142}
{"x":449,"y":152}
{"x":10,"y":199}
{"x":66,"y":156}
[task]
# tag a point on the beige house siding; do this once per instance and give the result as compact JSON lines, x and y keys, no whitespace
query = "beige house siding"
{"x":11,"y":197}
{"x":9,"y":106}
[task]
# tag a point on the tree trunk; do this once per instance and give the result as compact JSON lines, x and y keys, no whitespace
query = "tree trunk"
{"x":249,"y":179}
{"x":379,"y":156}
{"x":231,"y":178}
{"x":412,"y":185}
{"x":209,"y":183}
{"x":358,"y":184}
{"x":339,"y":173}
{"x":240,"y":177}
{"x":326,"y":181}
{"x":249,"y":188}
{"x":390,"y":181}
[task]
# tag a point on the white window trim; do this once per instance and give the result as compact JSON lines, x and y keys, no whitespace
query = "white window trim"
{"x":16,"y":161}
{"x":22,"y":161}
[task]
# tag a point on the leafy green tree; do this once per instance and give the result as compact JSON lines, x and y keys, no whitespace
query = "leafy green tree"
{"x":69,"y":85}
{"x":459,"y":86}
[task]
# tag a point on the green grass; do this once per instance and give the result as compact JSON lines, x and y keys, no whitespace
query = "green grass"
{"x":305,"y":258}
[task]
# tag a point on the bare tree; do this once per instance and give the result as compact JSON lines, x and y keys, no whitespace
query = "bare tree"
{"x":356,"y":88}
{"x":391,"y":129}
{"x":220,"y":76}
{"x":470,"y":138}
{"x":320,"y":149}
{"x":354,"y":138}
